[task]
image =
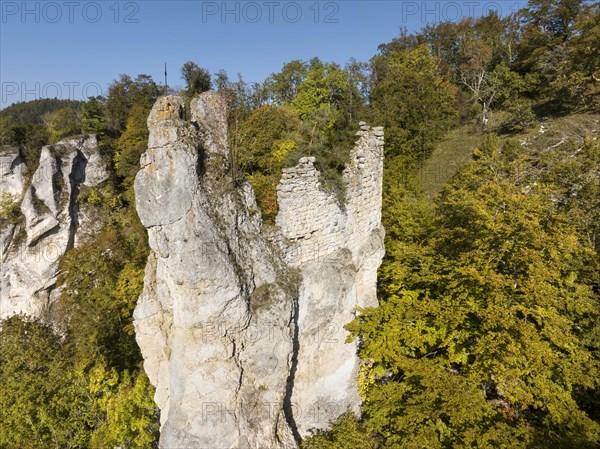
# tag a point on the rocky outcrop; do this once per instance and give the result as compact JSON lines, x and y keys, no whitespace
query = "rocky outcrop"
{"x":211,"y":284}
{"x":338,"y":249}
{"x":12,"y":182}
{"x":51,"y":220}
{"x":241,"y":325}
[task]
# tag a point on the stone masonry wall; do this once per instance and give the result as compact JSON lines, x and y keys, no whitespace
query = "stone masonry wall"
{"x":313,"y":221}
{"x":338,"y":249}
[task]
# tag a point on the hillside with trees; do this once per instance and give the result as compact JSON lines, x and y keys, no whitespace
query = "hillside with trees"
{"x":488,"y":332}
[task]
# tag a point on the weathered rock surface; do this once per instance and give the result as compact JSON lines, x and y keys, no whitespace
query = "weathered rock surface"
{"x":211,"y":283}
{"x":338,"y":250}
{"x":12,"y":182}
{"x":241,"y":327}
{"x":51,"y":223}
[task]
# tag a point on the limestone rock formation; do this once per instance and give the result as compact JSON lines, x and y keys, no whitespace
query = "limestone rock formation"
{"x":240,"y":324}
{"x":338,"y":249}
{"x":211,"y":284}
{"x":51,"y":224}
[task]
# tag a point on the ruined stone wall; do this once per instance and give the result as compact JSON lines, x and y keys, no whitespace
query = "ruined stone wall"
{"x":338,"y":249}
{"x":313,"y":221}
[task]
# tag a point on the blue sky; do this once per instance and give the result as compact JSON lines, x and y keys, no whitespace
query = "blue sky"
{"x":73,"y":49}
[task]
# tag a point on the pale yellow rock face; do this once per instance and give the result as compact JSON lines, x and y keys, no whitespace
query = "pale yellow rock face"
{"x":240,"y":326}
{"x":169,"y":108}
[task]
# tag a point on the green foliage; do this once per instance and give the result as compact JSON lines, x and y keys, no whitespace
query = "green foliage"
{"x":124,"y":93}
{"x":102,"y":279}
{"x":265,"y":189}
{"x":93,"y":119}
{"x":322,"y":87}
{"x":51,"y":399}
{"x":482,"y":338}
{"x":24,"y":125}
{"x":101,"y":283}
{"x":10,"y":211}
{"x":29,"y":360}
{"x":412,"y":102}
{"x":547,"y":25}
{"x":509,"y":85}
{"x":131,"y":416}
{"x":578,"y":180}
{"x":318,"y":104}
{"x":520,"y":116}
{"x":347,"y":433}
{"x":264,"y":149}
{"x":558,"y":45}
{"x":283,"y":87}
{"x":196,"y":78}
{"x":262,"y":144}
{"x":329,"y":103}
{"x":130,"y":146}
{"x":105,"y":400}
{"x":548,"y":48}
{"x":34,"y":111}
{"x":62,"y":123}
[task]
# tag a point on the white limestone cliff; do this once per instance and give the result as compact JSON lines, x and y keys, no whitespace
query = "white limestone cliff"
{"x":241,"y":325}
{"x":52,"y":220}
{"x":211,"y":283}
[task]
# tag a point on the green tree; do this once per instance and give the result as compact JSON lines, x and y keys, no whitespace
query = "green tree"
{"x":196,"y":78}
{"x":347,"y":433}
{"x":476,"y":75}
{"x":329,"y":101}
{"x":93,"y":116}
{"x":262,"y":133}
{"x":330,"y":106}
{"x":53,"y":399}
{"x":265,"y":147}
{"x":323,"y":87}
{"x":101,"y":282}
{"x":510,"y":89}
{"x":131,"y":415}
{"x":130,"y":146}
{"x":481,"y":339}
{"x":410,"y":99}
{"x":62,"y":123}
{"x":544,"y":48}
{"x":546,"y":25}
{"x":126,"y":92}
{"x":282,"y":87}
{"x":28,"y":355}
{"x":577,"y":75}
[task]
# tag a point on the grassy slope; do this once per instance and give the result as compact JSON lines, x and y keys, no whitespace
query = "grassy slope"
{"x":566,"y":132}
{"x":448,"y":157}
{"x":455,"y":150}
